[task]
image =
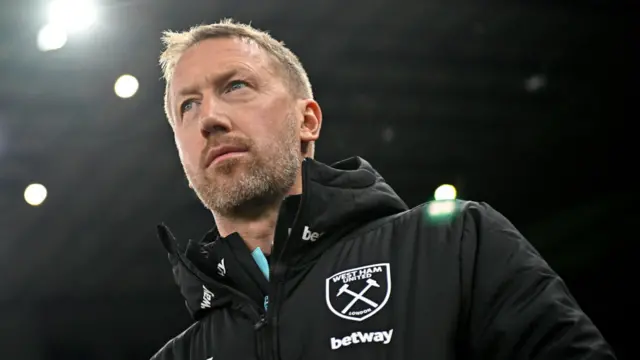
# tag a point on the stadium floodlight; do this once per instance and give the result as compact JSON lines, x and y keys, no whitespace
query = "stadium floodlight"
{"x":72,"y":15}
{"x":35,"y":194}
{"x":126,"y":86}
{"x":51,"y":37}
{"x":444,"y":206}
{"x":445,"y":192}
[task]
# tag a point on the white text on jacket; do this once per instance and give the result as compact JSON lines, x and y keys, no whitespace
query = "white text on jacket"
{"x":362,"y":338}
{"x":308,"y":235}
{"x":360,"y":274}
{"x":207,"y":296}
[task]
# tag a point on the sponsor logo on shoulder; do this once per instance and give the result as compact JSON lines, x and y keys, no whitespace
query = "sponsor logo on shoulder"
{"x":308,"y":235}
{"x":360,"y":337}
{"x":359,"y":293}
{"x":207,"y":296}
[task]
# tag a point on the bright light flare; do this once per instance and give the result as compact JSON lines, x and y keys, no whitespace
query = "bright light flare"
{"x":35,"y":194}
{"x":445,"y":192}
{"x":72,"y":15}
{"x":126,"y":86}
{"x":441,"y":208}
{"x":51,"y":37}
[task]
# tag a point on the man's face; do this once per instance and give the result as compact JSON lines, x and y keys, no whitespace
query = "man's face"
{"x":235,"y":125}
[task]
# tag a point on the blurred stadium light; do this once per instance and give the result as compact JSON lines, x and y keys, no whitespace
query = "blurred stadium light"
{"x":445,"y":192}
{"x":126,"y":86}
{"x":65,"y":17}
{"x":35,"y":194}
{"x":72,"y":15}
{"x":444,"y":205}
{"x":51,"y":37}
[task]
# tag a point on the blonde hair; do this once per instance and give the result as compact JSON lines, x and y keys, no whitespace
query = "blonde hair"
{"x":176,"y":43}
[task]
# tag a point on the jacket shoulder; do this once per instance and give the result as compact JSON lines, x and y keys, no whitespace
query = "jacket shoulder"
{"x":458,"y":214}
{"x":451,"y":213}
{"x":179,"y":347}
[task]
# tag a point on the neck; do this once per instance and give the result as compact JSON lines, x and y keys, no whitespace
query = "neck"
{"x":257,"y":230}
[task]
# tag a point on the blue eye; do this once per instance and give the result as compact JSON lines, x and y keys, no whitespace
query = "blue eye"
{"x":236,"y":85}
{"x":186,"y":106}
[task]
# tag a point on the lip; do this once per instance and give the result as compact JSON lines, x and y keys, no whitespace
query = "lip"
{"x":219,"y":151}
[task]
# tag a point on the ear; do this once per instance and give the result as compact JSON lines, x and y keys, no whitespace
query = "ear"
{"x":311,"y":121}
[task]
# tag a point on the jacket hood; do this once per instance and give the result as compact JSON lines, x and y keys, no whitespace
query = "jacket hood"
{"x":347,"y":191}
{"x":336,"y":200}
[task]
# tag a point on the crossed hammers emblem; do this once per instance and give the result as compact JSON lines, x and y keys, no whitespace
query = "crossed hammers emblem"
{"x":358,"y":296}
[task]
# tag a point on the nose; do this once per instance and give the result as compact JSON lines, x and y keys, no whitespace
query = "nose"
{"x":213,"y":120}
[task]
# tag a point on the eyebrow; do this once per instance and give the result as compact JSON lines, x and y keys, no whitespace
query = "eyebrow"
{"x":218,"y":81}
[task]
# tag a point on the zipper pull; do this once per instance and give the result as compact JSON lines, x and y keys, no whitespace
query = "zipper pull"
{"x":260,"y":324}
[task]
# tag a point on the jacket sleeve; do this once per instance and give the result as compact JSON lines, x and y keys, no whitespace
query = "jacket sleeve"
{"x":180,"y":347}
{"x":516,"y":306}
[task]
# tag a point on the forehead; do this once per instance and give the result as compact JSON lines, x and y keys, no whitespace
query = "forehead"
{"x":212,"y":56}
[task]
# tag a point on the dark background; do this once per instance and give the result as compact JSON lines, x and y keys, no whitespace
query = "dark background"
{"x":526,"y":105}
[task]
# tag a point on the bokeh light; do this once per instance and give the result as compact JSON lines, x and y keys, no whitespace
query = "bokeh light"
{"x":35,"y":194}
{"x":126,"y":86}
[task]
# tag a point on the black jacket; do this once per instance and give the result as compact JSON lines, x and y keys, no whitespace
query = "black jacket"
{"x":354,"y":274}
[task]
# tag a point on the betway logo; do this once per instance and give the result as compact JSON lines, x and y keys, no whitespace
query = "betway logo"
{"x":309,"y":235}
{"x":207,"y":296}
{"x":362,"y":338}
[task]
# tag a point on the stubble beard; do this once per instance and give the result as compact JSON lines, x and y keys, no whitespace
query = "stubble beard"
{"x":246,"y":186}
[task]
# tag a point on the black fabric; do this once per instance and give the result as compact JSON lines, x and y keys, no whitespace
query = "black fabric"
{"x":355,"y":274}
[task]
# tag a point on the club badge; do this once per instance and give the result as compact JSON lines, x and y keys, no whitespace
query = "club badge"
{"x":359,"y":293}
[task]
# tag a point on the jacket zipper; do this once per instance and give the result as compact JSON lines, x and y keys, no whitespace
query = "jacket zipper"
{"x":261,"y":325}
{"x":278,"y":277}
{"x":262,"y":328}
{"x":263,"y":339}
{"x":266,"y":333}
{"x":271,"y":338}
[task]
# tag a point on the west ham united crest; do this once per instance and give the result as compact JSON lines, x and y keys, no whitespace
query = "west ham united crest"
{"x":357,"y":294}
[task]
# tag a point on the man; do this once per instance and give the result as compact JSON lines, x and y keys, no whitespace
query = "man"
{"x":310,"y":261}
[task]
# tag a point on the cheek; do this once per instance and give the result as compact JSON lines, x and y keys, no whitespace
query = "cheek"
{"x":273,"y":138}
{"x":279,"y":126}
{"x":188,"y":150}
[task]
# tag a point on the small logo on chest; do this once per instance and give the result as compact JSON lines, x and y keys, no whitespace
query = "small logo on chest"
{"x":222,"y":270}
{"x":359,"y":293}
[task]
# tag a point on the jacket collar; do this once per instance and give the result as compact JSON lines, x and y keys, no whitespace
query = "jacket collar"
{"x":336,"y":200}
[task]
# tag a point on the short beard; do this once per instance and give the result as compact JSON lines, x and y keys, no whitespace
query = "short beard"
{"x":263,"y":185}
